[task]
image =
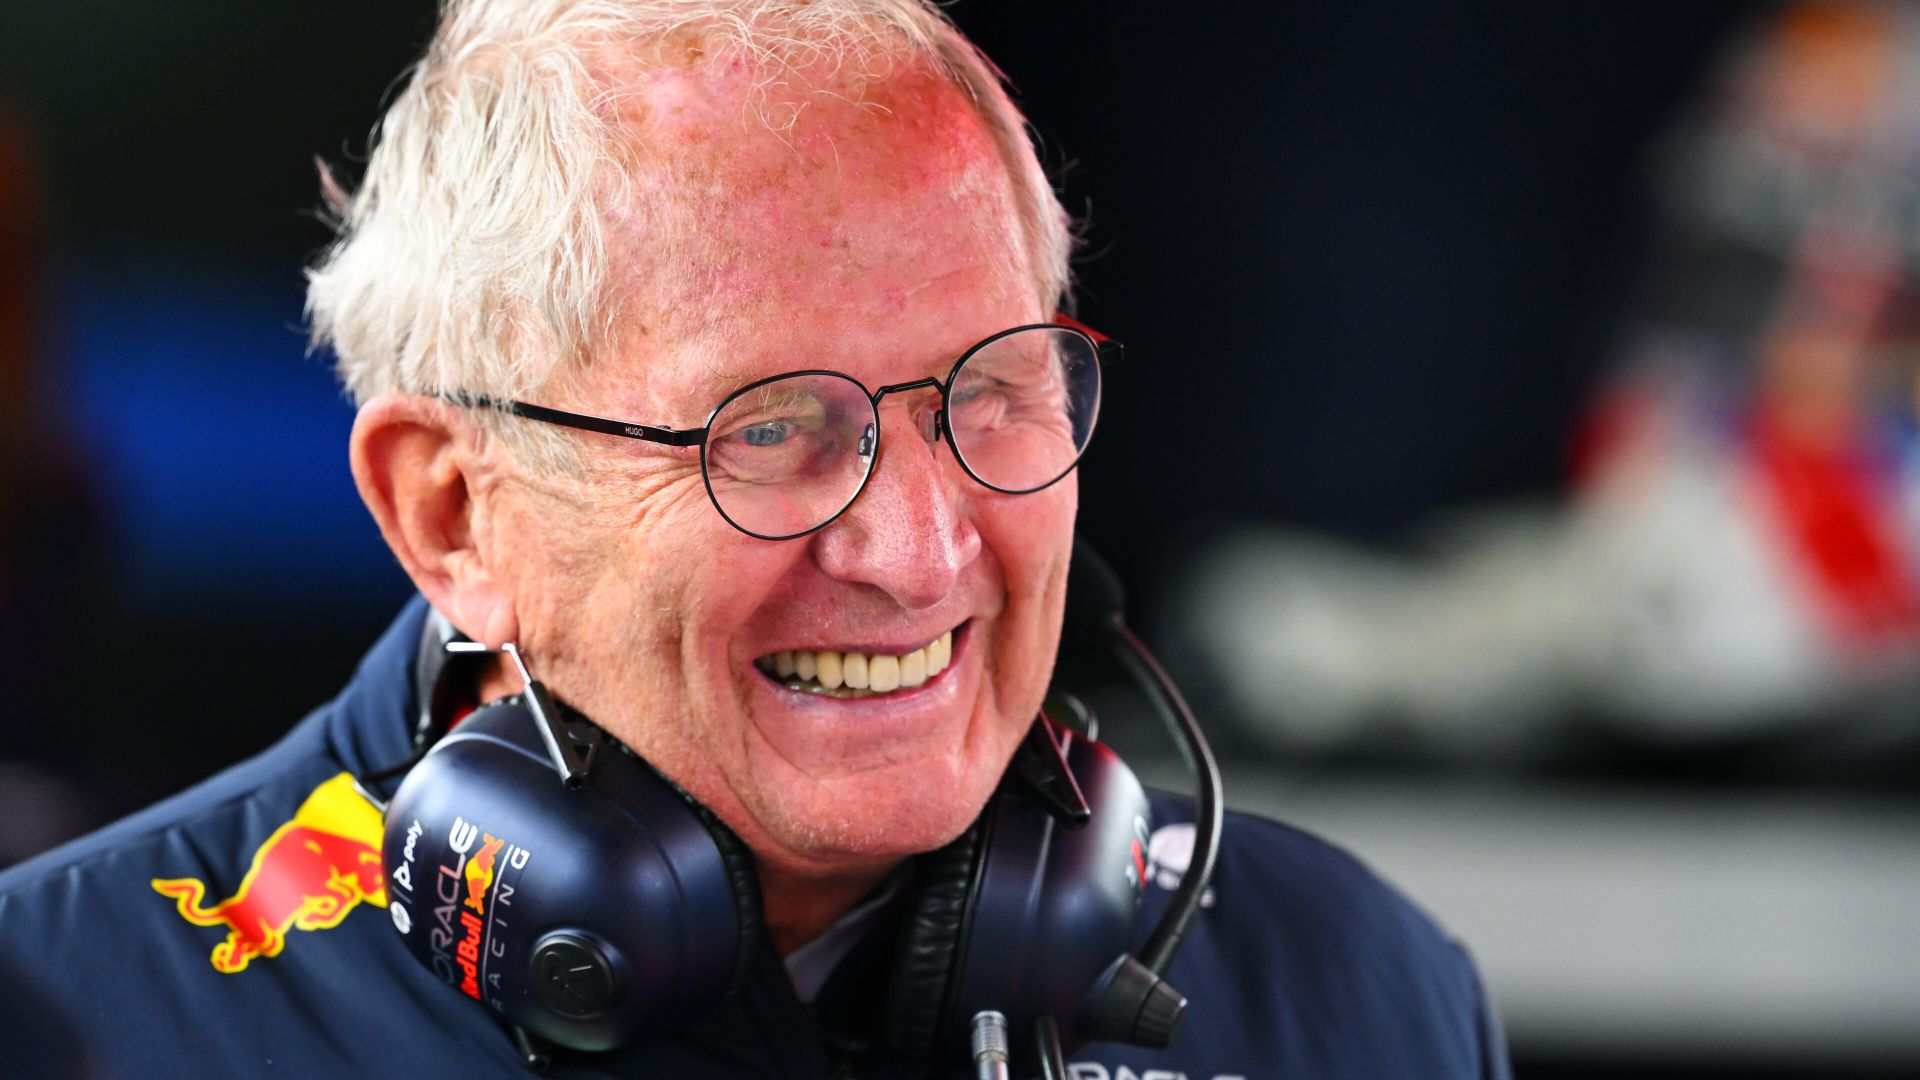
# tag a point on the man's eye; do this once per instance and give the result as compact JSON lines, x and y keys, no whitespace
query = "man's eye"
{"x":766,"y":433}
{"x":974,"y":390}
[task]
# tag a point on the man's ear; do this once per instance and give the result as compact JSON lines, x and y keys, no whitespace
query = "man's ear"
{"x":415,"y":461}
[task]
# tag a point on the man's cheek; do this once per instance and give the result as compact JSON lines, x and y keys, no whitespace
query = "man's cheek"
{"x":1031,"y":533}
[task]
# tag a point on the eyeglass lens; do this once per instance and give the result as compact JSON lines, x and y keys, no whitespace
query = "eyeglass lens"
{"x":785,"y":456}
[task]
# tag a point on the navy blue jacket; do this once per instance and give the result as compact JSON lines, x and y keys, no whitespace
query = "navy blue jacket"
{"x":238,"y":930}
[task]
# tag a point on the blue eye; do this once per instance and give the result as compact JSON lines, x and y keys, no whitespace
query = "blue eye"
{"x":770,"y":433}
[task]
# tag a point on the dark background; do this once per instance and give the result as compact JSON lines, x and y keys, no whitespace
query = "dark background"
{"x":1365,"y":257}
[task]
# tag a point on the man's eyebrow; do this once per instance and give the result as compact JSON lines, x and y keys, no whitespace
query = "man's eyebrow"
{"x":727,"y":380}
{"x":713,"y":378}
{"x":712,"y":385}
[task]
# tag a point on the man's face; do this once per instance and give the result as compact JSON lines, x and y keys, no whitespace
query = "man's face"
{"x":875,"y":236}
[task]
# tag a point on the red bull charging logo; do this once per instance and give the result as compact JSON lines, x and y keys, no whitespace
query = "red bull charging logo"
{"x":308,"y":875}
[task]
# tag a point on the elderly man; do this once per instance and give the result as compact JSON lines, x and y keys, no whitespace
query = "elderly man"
{"x":711,"y":356}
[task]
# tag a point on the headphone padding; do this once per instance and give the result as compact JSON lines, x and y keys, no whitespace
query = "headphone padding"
{"x":738,"y":859}
{"x":929,"y":943}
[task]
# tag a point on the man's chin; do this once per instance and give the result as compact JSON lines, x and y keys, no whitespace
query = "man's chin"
{"x":867,"y":821}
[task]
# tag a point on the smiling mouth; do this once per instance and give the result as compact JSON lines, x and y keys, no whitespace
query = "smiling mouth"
{"x":855,"y":674}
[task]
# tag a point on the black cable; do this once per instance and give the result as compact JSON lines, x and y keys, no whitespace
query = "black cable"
{"x":1053,"y":1060}
{"x":1208,"y":813}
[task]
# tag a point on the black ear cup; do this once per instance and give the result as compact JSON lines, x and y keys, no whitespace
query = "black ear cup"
{"x":1045,"y":913}
{"x":749,"y":922}
{"x":929,"y":942}
{"x":589,"y":917}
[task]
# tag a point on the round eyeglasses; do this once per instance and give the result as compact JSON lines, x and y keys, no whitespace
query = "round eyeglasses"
{"x":785,"y":455}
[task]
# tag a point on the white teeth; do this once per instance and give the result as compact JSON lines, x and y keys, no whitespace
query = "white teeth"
{"x":830,"y":670}
{"x":913,"y":668}
{"x":883,"y":673}
{"x":858,"y":674}
{"x":854,"y":669}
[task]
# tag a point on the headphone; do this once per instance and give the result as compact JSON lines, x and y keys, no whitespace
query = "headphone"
{"x":536,"y":864}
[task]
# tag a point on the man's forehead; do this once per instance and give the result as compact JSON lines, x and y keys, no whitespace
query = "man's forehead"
{"x":731,"y":349}
{"x":680,"y":84}
{"x":741,"y":154}
{"x":801,"y":188}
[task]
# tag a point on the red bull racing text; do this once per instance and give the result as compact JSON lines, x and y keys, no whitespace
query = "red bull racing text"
{"x":473,"y":901}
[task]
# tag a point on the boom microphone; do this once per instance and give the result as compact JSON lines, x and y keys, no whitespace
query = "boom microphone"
{"x":1138,"y":1006}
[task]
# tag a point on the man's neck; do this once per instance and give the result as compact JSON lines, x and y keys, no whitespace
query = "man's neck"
{"x":799,"y":908}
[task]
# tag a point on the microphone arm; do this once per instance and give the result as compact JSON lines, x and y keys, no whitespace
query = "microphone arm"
{"x":1208,"y":813}
{"x":1137,"y":1005}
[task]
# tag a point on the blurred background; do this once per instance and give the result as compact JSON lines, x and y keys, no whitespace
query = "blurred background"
{"x":1516,"y":457}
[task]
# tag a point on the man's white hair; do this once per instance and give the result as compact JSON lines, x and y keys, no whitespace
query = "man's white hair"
{"x":473,"y":258}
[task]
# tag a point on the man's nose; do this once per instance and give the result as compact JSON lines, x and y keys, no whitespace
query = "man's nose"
{"x":908,"y":533}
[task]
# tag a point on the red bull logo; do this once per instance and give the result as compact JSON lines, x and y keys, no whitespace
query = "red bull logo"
{"x":480,"y":873}
{"x":308,"y":875}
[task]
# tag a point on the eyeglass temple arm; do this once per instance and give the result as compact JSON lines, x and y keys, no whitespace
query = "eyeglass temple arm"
{"x":581,"y":421}
{"x":1111,"y":352}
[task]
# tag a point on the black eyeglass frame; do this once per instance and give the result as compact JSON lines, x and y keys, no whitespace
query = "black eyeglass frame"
{"x":1106,"y":352}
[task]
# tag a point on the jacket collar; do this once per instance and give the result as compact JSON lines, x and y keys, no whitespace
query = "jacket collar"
{"x":370,"y":727}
